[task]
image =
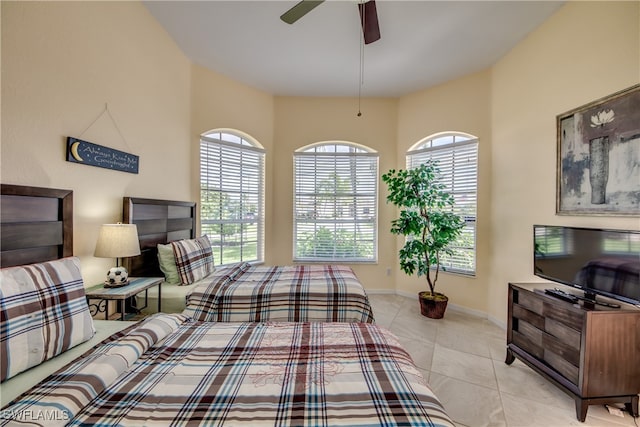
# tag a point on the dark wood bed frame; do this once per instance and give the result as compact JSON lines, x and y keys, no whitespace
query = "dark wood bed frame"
{"x":36,"y":224}
{"x":158,"y":222}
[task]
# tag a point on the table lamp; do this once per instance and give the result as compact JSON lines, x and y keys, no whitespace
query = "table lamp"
{"x":117,"y":241}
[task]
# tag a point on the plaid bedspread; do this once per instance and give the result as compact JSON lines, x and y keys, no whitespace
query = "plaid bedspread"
{"x":300,"y":293}
{"x":192,"y":373}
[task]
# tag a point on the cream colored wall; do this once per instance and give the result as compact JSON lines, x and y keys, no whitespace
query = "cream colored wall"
{"x":462,"y":105}
{"x":61,"y":63}
{"x":218,"y":102}
{"x":585,"y":51}
{"x":303,"y":121}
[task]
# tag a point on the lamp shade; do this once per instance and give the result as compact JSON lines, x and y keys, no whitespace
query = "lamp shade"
{"x":117,"y":241}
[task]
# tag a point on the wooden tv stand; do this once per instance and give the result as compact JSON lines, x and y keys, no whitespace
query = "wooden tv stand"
{"x":591,"y":353}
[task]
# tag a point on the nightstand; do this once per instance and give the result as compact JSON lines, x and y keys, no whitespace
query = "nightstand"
{"x":136,"y":285}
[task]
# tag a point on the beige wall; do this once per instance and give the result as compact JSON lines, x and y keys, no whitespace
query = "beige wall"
{"x":221,"y":103}
{"x":462,"y":105}
{"x":585,"y":51}
{"x":304,"y":121}
{"x":61,"y":63}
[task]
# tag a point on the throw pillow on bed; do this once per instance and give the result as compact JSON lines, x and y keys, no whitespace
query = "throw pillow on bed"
{"x":167,"y":261}
{"x":43,"y":311}
{"x":194,"y":259}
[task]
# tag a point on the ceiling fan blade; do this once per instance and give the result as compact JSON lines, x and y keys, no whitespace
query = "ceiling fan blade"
{"x":299,"y":10}
{"x":369,"y":20}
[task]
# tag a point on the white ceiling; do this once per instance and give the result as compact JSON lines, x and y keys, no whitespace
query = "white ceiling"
{"x":423,"y":43}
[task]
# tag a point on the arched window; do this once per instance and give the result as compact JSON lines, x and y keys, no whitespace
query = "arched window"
{"x":457,"y":156}
{"x":335,"y":203}
{"x":232,"y":195}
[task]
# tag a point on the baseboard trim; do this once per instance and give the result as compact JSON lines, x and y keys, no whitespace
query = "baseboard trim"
{"x":451,"y":306}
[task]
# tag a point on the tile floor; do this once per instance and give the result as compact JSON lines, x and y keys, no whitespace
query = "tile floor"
{"x":462,"y":356}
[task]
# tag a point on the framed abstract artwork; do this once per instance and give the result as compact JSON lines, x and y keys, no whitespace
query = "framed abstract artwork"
{"x":598,"y":165}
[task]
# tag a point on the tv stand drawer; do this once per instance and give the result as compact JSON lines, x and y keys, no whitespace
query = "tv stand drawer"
{"x":569,"y":336}
{"x":557,"y":347}
{"x":530,"y":302}
{"x":565,"y":368}
{"x":525,"y":343}
{"x":564,"y":313}
{"x":591,"y":353}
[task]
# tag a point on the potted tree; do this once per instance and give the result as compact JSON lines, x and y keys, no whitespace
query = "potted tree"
{"x":429,"y":225}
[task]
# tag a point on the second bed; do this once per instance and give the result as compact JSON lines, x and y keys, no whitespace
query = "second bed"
{"x":241,"y":292}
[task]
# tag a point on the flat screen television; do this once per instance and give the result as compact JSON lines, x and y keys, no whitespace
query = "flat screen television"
{"x":597,"y":261}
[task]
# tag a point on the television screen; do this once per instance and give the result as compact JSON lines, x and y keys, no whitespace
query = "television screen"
{"x":603,"y":262}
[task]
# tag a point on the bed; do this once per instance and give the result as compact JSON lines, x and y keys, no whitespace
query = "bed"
{"x":170,"y":369}
{"x":241,"y":292}
{"x":36,"y":227}
{"x":326,"y":293}
{"x":203,"y":373}
{"x":37,"y":224}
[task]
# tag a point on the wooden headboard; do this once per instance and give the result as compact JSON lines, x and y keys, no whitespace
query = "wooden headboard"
{"x":158,"y":221}
{"x":37,"y":224}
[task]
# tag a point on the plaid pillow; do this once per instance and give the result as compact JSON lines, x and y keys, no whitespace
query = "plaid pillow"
{"x":43,"y":312}
{"x":194,"y":259}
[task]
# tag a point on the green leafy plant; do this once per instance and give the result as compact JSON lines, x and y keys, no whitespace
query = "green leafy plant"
{"x":426,"y":219}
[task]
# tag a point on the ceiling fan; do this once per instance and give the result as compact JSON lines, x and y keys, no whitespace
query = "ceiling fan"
{"x":367,"y":9}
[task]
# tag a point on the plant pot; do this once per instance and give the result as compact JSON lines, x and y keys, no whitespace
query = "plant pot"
{"x":433,"y":306}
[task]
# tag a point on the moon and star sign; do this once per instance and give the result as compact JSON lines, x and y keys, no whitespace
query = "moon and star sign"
{"x":79,"y":151}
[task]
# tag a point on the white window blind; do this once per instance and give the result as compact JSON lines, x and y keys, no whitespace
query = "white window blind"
{"x":232,"y":197}
{"x":457,"y":158}
{"x":335,"y":206}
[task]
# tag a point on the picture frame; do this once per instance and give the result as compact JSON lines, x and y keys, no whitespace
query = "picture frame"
{"x":598,"y":157}
{"x":90,"y":154}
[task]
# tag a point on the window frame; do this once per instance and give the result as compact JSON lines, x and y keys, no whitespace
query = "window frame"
{"x":233,"y":145}
{"x":367,"y":201}
{"x":454,"y":141}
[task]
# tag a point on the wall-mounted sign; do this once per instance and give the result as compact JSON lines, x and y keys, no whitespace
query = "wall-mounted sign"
{"x":79,"y":151}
